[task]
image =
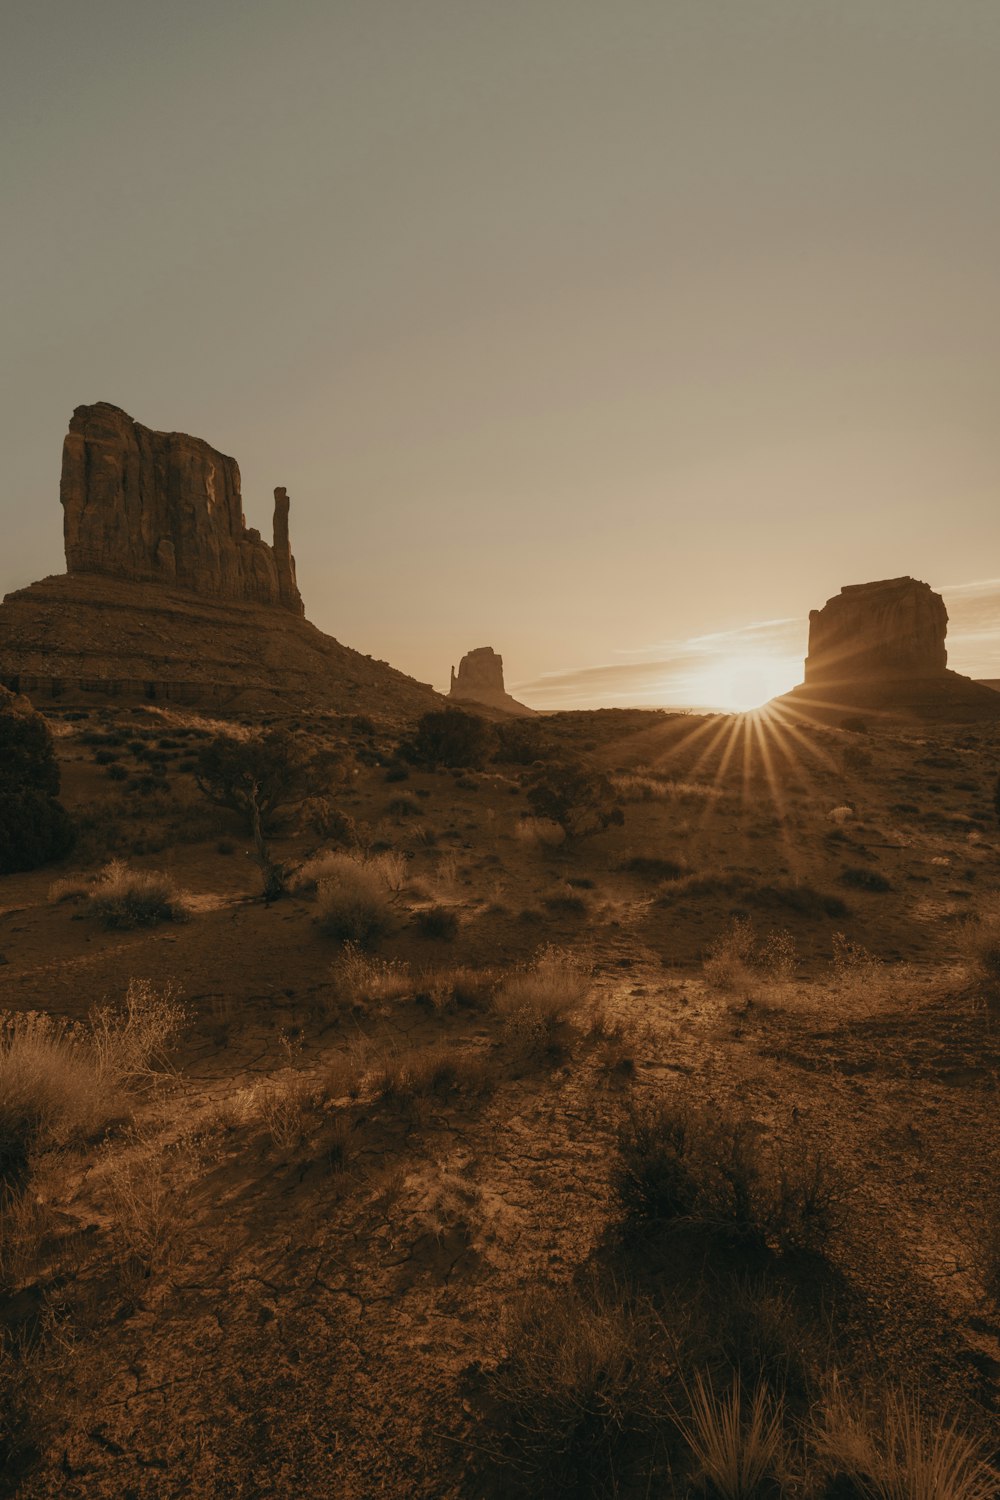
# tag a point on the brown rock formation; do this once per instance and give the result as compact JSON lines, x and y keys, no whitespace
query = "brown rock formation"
{"x":878,"y":650}
{"x":162,"y":507}
{"x":170,"y":598}
{"x":480,"y":680}
{"x":891,"y":630}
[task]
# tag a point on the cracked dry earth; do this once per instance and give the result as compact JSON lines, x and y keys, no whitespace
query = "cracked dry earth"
{"x":312,"y":1330}
{"x":328,"y":1285}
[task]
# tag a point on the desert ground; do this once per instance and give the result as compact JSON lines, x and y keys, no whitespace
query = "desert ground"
{"x":586,"y":1141}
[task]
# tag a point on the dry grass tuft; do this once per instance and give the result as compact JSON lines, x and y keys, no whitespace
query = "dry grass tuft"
{"x":738,"y":1445}
{"x":362,"y":980}
{"x":544,"y":994}
{"x":741,"y":957}
{"x":354,"y":898}
{"x":62,"y":1082}
{"x":902,"y":1453}
{"x":125,"y":898}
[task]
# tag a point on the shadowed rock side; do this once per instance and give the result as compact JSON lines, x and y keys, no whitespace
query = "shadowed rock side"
{"x":879,"y":649}
{"x":480,"y":680}
{"x":163,"y":507}
{"x":79,"y":639}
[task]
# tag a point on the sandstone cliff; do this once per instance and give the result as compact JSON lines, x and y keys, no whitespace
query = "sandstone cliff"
{"x":878,"y":649}
{"x":163,"y":507}
{"x":893,"y":629}
{"x":480,"y":680}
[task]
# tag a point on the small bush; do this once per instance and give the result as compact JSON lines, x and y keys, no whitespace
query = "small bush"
{"x":437,"y":922}
{"x":361,"y":980}
{"x":580,"y":1376}
{"x":542,"y":832}
{"x":543,"y":995}
{"x":124,"y":898}
{"x":61,"y":1082}
{"x":860,"y":879}
{"x":353,"y":900}
{"x":654,"y":867}
{"x":681,"y":1163}
{"x":739,"y":957}
{"x":580,"y":800}
{"x":450,"y":737}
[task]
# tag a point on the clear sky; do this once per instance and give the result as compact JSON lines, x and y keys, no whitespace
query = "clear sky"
{"x":614,"y":335}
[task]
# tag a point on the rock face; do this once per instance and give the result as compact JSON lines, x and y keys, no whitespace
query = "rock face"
{"x":891,"y":630}
{"x":162,"y":507}
{"x":877,"y":650}
{"x":480,"y":680}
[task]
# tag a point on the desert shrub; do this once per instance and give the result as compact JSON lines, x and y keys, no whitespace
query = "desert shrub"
{"x":981,"y":942}
{"x":126,"y":898}
{"x":258,"y":775}
{"x":580,"y":800}
{"x":853,"y":965}
{"x":860,"y":879}
{"x":353,"y":900}
{"x":404,"y":807}
{"x":679,"y":1163}
{"x":449,"y":737}
{"x":116,"y":772}
{"x":566,"y":903}
{"x":463,"y":987}
{"x":542,"y":832}
{"x":740,"y":955}
{"x":439,"y":1068}
{"x":804,"y":899}
{"x":654,"y":867}
{"x":361,"y":979}
{"x":581,"y":1376}
{"x":397,"y":773}
{"x":521,"y":742}
{"x":437,"y":922}
{"x":387,"y":865}
{"x":544,"y":994}
{"x":329,"y":821}
{"x":738,"y":1443}
{"x":34,"y":829}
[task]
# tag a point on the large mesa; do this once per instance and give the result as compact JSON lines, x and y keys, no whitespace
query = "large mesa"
{"x":479,"y":679}
{"x":890,"y":630}
{"x":163,"y":507}
{"x":879,"y":649}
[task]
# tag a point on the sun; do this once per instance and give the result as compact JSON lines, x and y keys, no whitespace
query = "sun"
{"x":740,"y":683}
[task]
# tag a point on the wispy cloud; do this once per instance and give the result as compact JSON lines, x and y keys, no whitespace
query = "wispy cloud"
{"x":704,"y":671}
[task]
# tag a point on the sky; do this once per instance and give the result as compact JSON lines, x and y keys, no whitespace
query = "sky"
{"x":616,"y":336}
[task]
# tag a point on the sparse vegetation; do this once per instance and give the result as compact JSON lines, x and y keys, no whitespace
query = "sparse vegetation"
{"x":126,"y":898}
{"x":353,"y":899}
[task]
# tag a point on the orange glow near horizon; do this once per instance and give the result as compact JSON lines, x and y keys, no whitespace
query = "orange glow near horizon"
{"x":745,"y":681}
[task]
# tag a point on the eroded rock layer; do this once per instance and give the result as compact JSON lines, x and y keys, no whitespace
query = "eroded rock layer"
{"x":74,"y":638}
{"x":163,"y":507}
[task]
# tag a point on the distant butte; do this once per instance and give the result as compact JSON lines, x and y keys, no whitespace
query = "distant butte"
{"x":480,"y":680}
{"x":879,"y":649}
{"x":170,"y":596}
